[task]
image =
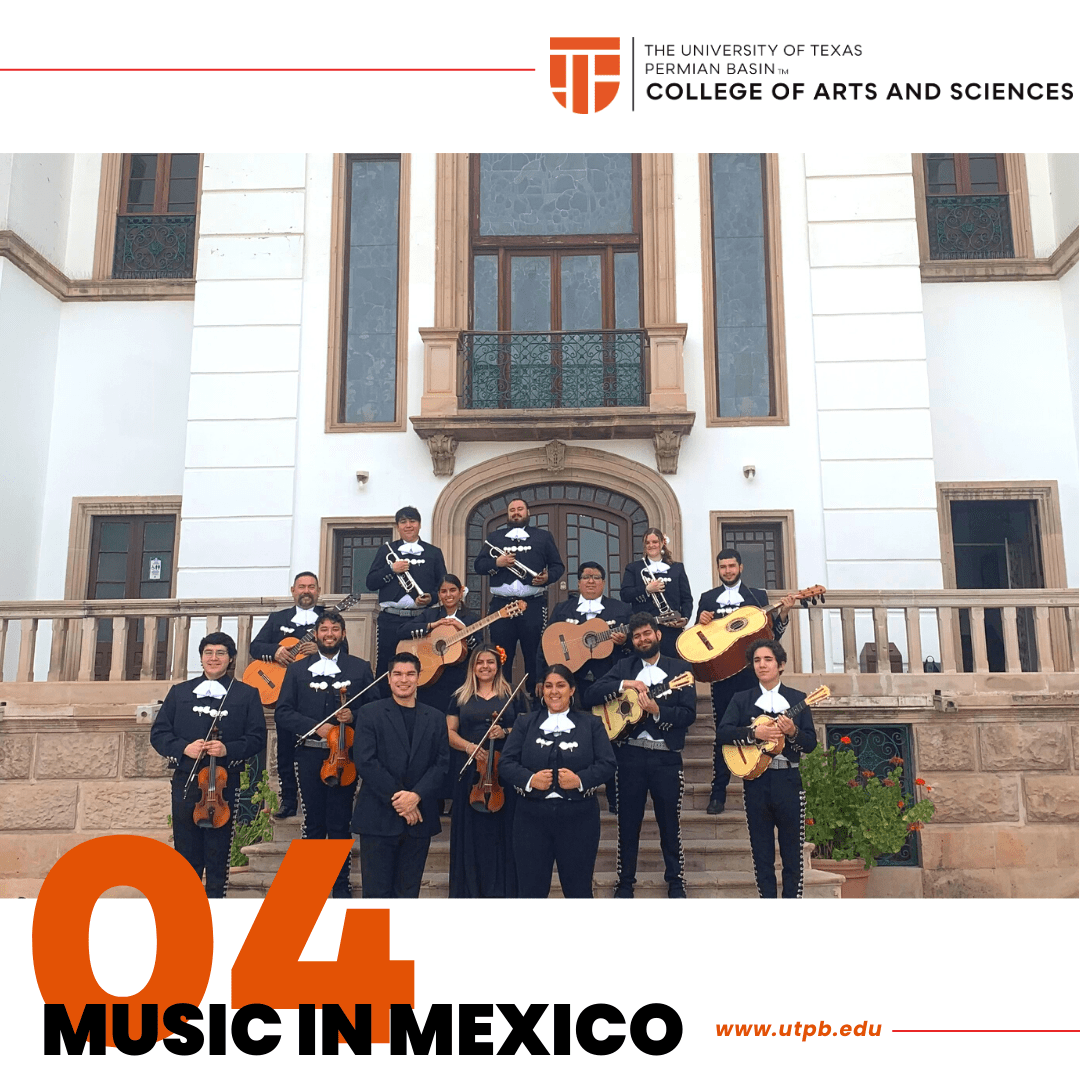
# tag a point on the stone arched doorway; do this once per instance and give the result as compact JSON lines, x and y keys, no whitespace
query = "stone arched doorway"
{"x":591,"y":498}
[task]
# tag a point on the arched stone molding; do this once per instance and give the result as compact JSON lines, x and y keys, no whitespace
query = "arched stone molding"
{"x":521,"y":468}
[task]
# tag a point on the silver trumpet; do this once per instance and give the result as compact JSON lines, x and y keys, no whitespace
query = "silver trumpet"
{"x":408,"y":582}
{"x":518,"y":569}
{"x":666,"y":614}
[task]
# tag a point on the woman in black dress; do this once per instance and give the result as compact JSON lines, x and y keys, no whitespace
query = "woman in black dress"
{"x":665,"y":578}
{"x":557,"y":758}
{"x":481,"y":859}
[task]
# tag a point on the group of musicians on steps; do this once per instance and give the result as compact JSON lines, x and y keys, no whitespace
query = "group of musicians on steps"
{"x":377,"y":753}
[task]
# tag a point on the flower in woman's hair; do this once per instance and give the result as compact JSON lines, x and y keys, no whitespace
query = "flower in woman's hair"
{"x":500,"y":652}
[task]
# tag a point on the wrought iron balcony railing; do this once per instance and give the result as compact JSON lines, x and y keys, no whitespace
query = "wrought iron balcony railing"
{"x":154,"y":246}
{"x":969,"y":227}
{"x":579,"y":369}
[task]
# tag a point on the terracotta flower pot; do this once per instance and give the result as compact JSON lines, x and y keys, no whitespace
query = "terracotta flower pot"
{"x":855,"y":875}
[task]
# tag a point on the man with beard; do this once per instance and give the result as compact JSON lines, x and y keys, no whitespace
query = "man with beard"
{"x":729,"y":595}
{"x":310,"y":693}
{"x":649,"y":759}
{"x":292,"y":622}
{"x":402,"y":752}
{"x":423,"y":562}
{"x":179,"y":733}
{"x":535,"y":549}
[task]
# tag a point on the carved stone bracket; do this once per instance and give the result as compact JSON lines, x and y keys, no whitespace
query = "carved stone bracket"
{"x":667,"y":445}
{"x":442,"y":447}
{"x":555,"y":456}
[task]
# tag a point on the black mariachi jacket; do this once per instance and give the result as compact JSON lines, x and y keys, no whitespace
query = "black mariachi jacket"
{"x":736,"y":728}
{"x":538,"y":553}
{"x":307,"y":699}
{"x":614,"y":611}
{"x":586,"y":751}
{"x":426,"y":568}
{"x":676,"y":592}
{"x":388,"y":763}
{"x":678,"y":710}
{"x":241,"y":723}
{"x":277,"y":628}
{"x":752,"y":597}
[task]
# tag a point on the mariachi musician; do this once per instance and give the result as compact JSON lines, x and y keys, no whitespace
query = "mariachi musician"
{"x":650,"y":756}
{"x":312,"y":692}
{"x":529,"y":562}
{"x":292,"y":622}
{"x":730,"y":594}
{"x":657,"y":585}
{"x":406,"y":575}
{"x":179,"y":733}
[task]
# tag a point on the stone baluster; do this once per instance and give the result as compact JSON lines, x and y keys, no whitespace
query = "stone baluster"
{"x":1073,"y":614}
{"x":914,"y":638}
{"x":3,"y":646}
{"x":1042,"y":637}
{"x":1012,"y":639}
{"x":181,"y":629}
{"x":119,"y":648}
{"x":946,"y":625}
{"x":817,"y":639}
{"x":149,"y":650}
{"x":977,"y":622}
{"x":851,"y":657}
{"x":243,"y":642}
{"x":58,"y":649}
{"x":87,"y":649}
{"x":881,"y":640}
{"x":24,"y":672}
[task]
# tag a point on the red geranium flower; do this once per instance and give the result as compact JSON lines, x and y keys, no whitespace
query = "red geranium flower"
{"x":919,"y":780}
{"x":845,"y":740}
{"x":896,"y":761}
{"x":901,"y":804}
{"x":889,"y":783}
{"x":867,"y":773}
{"x":853,"y":783}
{"x":809,"y":821}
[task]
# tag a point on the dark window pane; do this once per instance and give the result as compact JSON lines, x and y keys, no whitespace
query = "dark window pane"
{"x":354,"y":552}
{"x":141,"y":184}
{"x":530,"y":293}
{"x":157,"y":566}
{"x":555,"y":194}
{"x":627,"y":290}
{"x":742,"y":338}
{"x":581,"y":294}
{"x":940,"y":174}
{"x":486,"y":292}
{"x":112,"y":566}
{"x":154,"y":590}
{"x":109,"y":590}
{"x":158,"y":535}
{"x":115,"y":536}
{"x":371,"y":335}
{"x":182,"y":196}
{"x":984,"y":172}
{"x":183,"y":167}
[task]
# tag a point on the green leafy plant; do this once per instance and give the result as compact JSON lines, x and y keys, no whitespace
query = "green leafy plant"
{"x":853,"y":814}
{"x":264,"y":802}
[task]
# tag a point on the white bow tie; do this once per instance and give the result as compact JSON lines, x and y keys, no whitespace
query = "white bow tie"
{"x":324,"y":666}
{"x":304,"y":616}
{"x":209,"y":688}
{"x":557,"y":724}
{"x":517,"y":534}
{"x":772,"y":701}
{"x":657,"y":567}
{"x":410,"y":549}
{"x":590,"y":607}
{"x":731,"y":592}
{"x":651,"y":674}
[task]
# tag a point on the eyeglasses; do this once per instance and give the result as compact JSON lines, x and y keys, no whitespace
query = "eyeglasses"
{"x":589,"y":577}
{"x":215,"y":654}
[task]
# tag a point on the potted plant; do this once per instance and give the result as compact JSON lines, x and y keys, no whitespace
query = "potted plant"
{"x":260,"y":828}
{"x":853,"y":817}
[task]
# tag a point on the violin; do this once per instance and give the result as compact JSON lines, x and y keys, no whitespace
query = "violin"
{"x":487,"y":795}
{"x":338,"y":769}
{"x":212,"y":811}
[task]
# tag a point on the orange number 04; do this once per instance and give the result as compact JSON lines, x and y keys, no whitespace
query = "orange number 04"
{"x":363,"y":968}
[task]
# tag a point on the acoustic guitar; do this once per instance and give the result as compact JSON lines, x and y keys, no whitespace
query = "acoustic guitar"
{"x":267,"y":675}
{"x":621,"y":712}
{"x":717,"y":650}
{"x":444,"y":646}
{"x":749,"y":762}
{"x":574,"y":644}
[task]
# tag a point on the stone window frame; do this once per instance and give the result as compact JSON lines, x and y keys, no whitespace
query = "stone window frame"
{"x":786,"y":520}
{"x":331,"y":525}
{"x":774,"y":299}
{"x":1023,"y":266}
{"x":108,"y":288}
{"x":664,"y":419}
{"x":1044,"y":494}
{"x":339,"y":248}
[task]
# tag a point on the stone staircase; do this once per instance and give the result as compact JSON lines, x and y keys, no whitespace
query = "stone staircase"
{"x":716,"y":847}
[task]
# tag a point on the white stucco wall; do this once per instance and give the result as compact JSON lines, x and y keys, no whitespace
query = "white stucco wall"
{"x":29,"y":327}
{"x":1064,"y":178}
{"x":996,"y":354}
{"x":38,"y":201}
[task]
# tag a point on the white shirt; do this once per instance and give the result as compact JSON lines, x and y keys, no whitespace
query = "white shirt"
{"x":410,"y":549}
{"x":517,"y":534}
{"x":772,"y":701}
{"x":304,"y":616}
{"x":209,"y":688}
{"x":656,"y":567}
{"x":325,"y":665}
{"x":589,"y":607}
{"x":731,"y":596}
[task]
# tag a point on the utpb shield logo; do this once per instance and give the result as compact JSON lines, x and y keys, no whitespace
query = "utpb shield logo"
{"x":584,"y":72}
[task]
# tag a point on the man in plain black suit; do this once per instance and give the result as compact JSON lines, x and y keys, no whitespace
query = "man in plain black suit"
{"x":732,"y":593}
{"x":402,"y":752}
{"x":650,"y":758}
{"x":292,"y":622}
{"x":775,"y":800}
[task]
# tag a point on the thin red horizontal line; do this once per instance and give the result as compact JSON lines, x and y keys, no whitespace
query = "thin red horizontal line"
{"x":987,"y":1031}
{"x":250,"y":69}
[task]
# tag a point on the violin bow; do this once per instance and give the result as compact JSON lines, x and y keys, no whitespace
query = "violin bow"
{"x":487,"y":733}
{"x":308,"y":734}
{"x":213,"y":722}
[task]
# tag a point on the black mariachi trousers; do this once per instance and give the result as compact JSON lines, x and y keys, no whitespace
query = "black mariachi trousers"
{"x":642,"y":773}
{"x":556,"y":832}
{"x":327,"y":810}
{"x":206,"y":849}
{"x":776,"y":803}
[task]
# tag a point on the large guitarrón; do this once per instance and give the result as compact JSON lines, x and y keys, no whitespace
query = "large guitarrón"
{"x":620,"y":712}
{"x":574,"y":644}
{"x":749,"y":762}
{"x":717,"y":650}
